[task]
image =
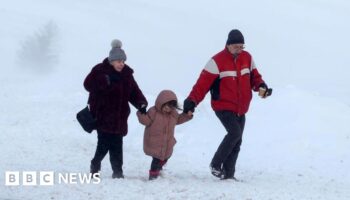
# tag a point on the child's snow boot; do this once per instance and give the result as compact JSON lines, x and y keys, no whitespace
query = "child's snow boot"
{"x":153,"y":174}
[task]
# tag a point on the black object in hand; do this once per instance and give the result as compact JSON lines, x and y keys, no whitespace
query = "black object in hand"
{"x":268,"y":92}
{"x":189,"y":105}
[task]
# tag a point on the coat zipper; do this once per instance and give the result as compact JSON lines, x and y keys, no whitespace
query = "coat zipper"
{"x":165,"y":139}
{"x":238,"y":84}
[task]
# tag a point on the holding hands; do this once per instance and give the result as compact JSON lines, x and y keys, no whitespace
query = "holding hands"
{"x":143,"y":109}
{"x":189,"y":106}
{"x":190,"y":114}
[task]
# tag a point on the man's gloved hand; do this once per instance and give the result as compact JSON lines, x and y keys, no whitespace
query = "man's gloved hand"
{"x":264,"y":90}
{"x":143,"y":109}
{"x":189,"y":105}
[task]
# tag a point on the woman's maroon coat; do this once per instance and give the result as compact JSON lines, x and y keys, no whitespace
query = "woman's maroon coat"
{"x":109,"y":99}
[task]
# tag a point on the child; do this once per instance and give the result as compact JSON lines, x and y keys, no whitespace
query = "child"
{"x":160,"y":121}
{"x":111,"y":87}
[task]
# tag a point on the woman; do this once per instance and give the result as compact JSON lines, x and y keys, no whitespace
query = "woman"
{"x":112,"y":86}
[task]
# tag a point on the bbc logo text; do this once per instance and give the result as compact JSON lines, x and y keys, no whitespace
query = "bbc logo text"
{"x":48,"y":178}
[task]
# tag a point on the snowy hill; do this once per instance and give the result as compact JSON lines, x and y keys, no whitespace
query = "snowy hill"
{"x":296,"y":143}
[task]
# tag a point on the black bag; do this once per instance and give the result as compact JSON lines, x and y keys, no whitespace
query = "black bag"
{"x":86,"y":120}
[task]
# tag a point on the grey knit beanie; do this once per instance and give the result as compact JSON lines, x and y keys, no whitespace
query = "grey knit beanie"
{"x":116,"y":53}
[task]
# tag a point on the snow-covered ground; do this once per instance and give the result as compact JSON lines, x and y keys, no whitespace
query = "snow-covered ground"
{"x":296,"y":143}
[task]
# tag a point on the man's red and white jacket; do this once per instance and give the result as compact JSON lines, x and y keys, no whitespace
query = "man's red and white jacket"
{"x":238,"y":76}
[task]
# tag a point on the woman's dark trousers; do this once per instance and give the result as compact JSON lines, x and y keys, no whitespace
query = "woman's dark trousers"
{"x":111,"y":143}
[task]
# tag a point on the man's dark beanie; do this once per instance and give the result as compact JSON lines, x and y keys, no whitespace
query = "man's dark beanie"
{"x":235,"y":37}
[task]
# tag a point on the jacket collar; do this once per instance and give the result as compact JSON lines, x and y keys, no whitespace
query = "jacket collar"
{"x":228,"y":53}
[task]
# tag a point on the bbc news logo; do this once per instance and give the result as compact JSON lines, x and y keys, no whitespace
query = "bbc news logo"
{"x":47,"y":178}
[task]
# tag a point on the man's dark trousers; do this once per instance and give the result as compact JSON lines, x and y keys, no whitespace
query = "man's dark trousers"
{"x":227,"y":153}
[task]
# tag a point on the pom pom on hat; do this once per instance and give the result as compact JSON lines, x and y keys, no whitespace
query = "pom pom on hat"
{"x":116,"y":43}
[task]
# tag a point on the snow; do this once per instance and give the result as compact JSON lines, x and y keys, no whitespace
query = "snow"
{"x":296,"y":143}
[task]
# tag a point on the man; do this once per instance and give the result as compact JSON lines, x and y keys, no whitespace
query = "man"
{"x":230,"y":76}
